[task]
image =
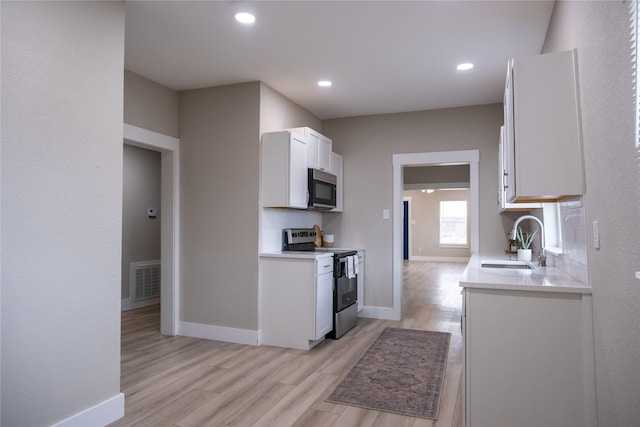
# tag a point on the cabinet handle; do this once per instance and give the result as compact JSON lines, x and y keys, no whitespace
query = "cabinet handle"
{"x":328,"y":265}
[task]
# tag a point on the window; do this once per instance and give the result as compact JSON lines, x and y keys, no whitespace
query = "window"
{"x":453,"y":223}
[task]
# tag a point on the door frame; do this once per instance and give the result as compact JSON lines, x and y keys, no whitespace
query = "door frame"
{"x":440,"y":158}
{"x":169,"y":148}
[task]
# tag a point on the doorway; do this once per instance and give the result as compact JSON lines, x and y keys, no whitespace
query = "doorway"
{"x":406,"y":231}
{"x":464,"y":157}
{"x":169,"y":219}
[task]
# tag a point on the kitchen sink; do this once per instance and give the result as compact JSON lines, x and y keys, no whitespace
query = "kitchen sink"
{"x":522,"y":265}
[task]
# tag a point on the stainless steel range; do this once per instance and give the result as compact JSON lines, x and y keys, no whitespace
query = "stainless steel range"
{"x":345,"y":288}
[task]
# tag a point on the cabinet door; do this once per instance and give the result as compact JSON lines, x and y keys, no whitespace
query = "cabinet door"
{"x":313,"y":142}
{"x":318,"y":150}
{"x":324,"y":305}
{"x":324,"y":153}
{"x":298,"y":191}
{"x":284,"y":170}
{"x":508,"y":144}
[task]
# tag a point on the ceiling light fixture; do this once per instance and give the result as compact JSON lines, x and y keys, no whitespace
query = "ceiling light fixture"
{"x":324,"y":83}
{"x":465,"y":66}
{"x":245,"y":18}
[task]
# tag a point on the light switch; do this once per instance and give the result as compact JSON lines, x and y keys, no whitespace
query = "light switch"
{"x":385,"y":214}
{"x":596,"y":235}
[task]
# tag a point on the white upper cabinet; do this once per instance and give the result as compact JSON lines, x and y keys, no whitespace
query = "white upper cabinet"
{"x":543,"y":138}
{"x":336,"y":169}
{"x":284,"y":170}
{"x":319,"y":148}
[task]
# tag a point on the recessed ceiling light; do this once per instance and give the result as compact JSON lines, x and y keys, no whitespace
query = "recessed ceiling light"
{"x":245,"y":18}
{"x":464,"y":67}
{"x":324,"y":83}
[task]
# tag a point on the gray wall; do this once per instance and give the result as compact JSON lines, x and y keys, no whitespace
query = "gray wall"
{"x":141,"y":191}
{"x":368,"y":144}
{"x":62,"y":90}
{"x":425,"y":227}
{"x":219,"y":154}
{"x":220,"y":131}
{"x":601,"y":32}
{"x":435,"y":175}
{"x":150,"y":105}
{"x":278,"y":112}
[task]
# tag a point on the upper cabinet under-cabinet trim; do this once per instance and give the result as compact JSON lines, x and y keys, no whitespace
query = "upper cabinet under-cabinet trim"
{"x":543,"y":135}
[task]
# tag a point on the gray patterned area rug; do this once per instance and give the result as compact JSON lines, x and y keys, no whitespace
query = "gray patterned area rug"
{"x":402,"y":372}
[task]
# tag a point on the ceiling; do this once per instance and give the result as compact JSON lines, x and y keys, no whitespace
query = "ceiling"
{"x":382,"y":56}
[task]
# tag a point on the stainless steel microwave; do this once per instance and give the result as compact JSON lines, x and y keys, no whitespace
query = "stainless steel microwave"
{"x":322,"y":190}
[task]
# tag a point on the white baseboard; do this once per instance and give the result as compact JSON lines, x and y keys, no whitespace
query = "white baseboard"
{"x":128,"y":304}
{"x":102,"y":414}
{"x":219,"y":333}
{"x":384,"y":313}
{"x":439,"y":258}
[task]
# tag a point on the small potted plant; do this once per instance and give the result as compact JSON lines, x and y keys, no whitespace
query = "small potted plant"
{"x":524,"y":241}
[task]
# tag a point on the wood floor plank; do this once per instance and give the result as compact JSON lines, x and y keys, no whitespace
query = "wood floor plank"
{"x":167,"y":415}
{"x":287,"y":411}
{"x":354,"y":416}
{"x":315,"y":418}
{"x":387,"y":419}
{"x":186,"y":382}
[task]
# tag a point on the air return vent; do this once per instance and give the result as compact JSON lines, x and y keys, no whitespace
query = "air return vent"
{"x":144,"y":280}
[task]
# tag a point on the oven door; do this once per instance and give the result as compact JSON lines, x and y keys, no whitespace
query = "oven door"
{"x":346,"y":292}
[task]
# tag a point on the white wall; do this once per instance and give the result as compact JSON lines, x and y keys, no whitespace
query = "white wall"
{"x":425,"y":224}
{"x":368,"y":144}
{"x":601,"y":32}
{"x":62,"y":91}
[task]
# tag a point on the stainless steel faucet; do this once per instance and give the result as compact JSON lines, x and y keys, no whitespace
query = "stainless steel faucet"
{"x":542,"y":258}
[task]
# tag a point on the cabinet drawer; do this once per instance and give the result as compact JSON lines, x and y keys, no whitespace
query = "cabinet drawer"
{"x":324,"y":265}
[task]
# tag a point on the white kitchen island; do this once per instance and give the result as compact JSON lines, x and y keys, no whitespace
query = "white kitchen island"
{"x":528,"y":347}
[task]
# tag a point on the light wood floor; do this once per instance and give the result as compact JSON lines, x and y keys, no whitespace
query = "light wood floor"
{"x":182,"y":381}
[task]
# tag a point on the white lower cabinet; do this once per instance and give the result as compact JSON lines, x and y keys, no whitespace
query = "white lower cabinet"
{"x":296,"y":301}
{"x":528,"y":359}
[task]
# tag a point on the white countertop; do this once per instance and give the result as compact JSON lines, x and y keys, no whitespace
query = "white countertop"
{"x":296,"y":254}
{"x":319,"y":253}
{"x":541,"y":279}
